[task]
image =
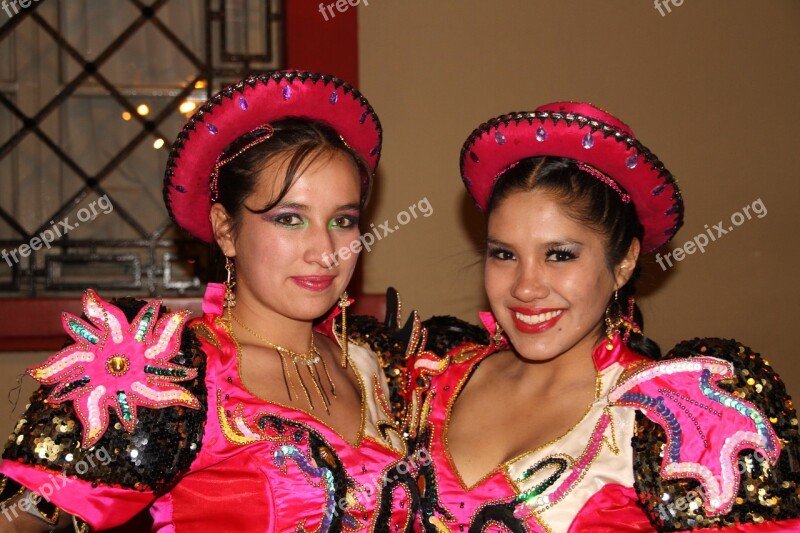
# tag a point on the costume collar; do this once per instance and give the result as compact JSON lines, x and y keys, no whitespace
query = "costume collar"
{"x":608,"y":352}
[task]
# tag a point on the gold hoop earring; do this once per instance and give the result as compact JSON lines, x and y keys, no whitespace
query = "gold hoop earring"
{"x":230,"y":283}
{"x":344,"y":303}
{"x":498,"y":334}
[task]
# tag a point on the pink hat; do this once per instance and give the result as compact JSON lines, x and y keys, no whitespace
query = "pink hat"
{"x":589,"y":135}
{"x":249,"y":104}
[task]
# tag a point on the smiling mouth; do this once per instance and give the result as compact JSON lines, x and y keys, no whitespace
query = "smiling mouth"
{"x":537,"y":319}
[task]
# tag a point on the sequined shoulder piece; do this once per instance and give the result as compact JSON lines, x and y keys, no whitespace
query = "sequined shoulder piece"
{"x":390,"y":345}
{"x":763,"y":481}
{"x":143,"y":435}
{"x":447,"y":332}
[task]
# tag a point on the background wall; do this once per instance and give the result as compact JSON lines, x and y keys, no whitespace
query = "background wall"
{"x":711,"y":87}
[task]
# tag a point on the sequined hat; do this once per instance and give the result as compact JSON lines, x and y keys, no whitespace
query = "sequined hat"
{"x":604,"y":145}
{"x":245,"y":106}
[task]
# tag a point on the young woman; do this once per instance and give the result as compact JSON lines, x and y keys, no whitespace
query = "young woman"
{"x":256,"y":416}
{"x":571,"y":420}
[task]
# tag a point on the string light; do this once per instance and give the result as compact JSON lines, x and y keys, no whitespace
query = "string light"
{"x":143,"y":110}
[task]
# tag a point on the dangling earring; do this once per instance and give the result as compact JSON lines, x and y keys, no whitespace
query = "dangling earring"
{"x":230,"y":297}
{"x":618,"y":320}
{"x":498,"y":334}
{"x":629,"y":322}
{"x":344,"y":303}
{"x":612,"y":320}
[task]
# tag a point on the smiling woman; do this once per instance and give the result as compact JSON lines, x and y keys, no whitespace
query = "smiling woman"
{"x":259,"y":415}
{"x":571,"y":420}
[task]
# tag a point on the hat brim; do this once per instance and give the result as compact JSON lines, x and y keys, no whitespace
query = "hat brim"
{"x":246,"y":105}
{"x":586,"y":134}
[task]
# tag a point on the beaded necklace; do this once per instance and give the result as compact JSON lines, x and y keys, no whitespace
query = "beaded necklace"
{"x":308,"y":359}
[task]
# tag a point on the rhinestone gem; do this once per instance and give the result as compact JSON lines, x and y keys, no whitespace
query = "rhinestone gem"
{"x":334,"y":97}
{"x":541,"y":135}
{"x":363,"y":118}
{"x":243,"y":103}
{"x":117,"y":365}
{"x":499,"y":137}
{"x":212,"y":129}
{"x":587,"y":141}
{"x":474,"y":157}
{"x":632,"y":161}
{"x":287,"y":92}
{"x":180,"y":188}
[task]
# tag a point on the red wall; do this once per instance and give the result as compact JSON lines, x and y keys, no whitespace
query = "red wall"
{"x":327,"y":46}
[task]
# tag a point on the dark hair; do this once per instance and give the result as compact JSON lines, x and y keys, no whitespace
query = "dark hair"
{"x":590,"y":202}
{"x":303,"y":140}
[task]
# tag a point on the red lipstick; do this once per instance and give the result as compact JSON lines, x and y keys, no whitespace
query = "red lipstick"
{"x":313,"y":283}
{"x":524,"y":327}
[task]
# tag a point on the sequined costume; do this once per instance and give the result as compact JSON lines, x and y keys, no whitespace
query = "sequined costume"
{"x":706,"y":437}
{"x":211,"y":456}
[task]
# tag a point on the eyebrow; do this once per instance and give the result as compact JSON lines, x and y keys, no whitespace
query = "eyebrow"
{"x":289,"y":205}
{"x":495,"y":242}
{"x":563,"y":243}
{"x":550,"y":244}
{"x":303,"y":207}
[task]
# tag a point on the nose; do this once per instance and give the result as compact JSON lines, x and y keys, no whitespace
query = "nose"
{"x":530,"y":283}
{"x":319,"y":246}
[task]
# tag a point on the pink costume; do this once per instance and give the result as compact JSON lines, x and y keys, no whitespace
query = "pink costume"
{"x":250,"y":465}
{"x":658,"y":449}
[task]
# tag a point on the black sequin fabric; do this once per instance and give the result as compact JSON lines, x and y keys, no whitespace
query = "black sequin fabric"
{"x":389,"y":346}
{"x":765,"y":493}
{"x":447,"y":332}
{"x":163,"y":444}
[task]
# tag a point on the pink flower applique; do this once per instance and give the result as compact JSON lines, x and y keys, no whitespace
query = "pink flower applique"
{"x":117,"y":364}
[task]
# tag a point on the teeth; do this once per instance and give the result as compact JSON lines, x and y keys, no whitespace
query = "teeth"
{"x":536,"y":319}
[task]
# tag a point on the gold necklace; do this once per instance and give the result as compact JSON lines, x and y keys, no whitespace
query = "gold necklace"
{"x":308,"y":359}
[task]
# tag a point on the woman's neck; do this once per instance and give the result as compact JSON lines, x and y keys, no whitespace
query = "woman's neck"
{"x":261,"y":323}
{"x":566,"y":371}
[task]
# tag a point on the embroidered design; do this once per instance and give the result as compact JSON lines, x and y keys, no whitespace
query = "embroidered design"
{"x":686,"y":455}
{"x":318,"y":477}
{"x":203,"y":331}
{"x":533,"y":500}
{"x":118,"y":365}
{"x":295,"y":442}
